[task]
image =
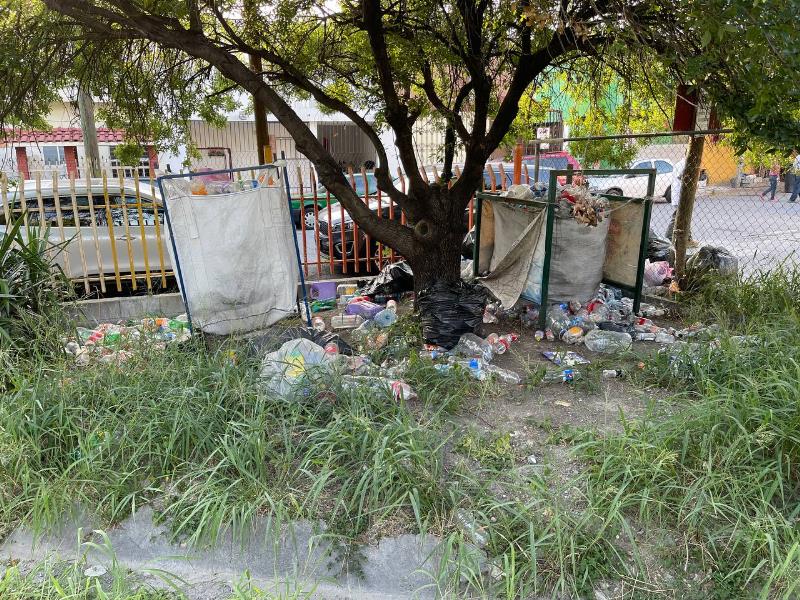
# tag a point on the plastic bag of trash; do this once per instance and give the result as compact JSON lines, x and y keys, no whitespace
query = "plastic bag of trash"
{"x":291,"y":363}
{"x":712,"y":258}
{"x":394,"y":278}
{"x":321,"y":338}
{"x":656,"y":273}
{"x":660,"y":248}
{"x":449,"y":310}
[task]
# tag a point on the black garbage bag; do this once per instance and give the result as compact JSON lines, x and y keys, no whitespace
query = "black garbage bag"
{"x":394,"y":278}
{"x":321,"y":338}
{"x":468,"y":245}
{"x":660,"y":248}
{"x":449,"y":310}
{"x":712,"y":258}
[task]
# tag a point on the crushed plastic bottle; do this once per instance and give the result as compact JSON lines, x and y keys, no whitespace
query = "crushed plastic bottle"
{"x":466,"y":522}
{"x":607,"y":342}
{"x":664,"y":337}
{"x":504,"y":375}
{"x":563,"y":376}
{"x":346,"y":321}
{"x":471,"y":345}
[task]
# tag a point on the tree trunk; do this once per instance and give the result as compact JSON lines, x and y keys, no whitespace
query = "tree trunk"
{"x":91,"y":148}
{"x":683,"y":219}
{"x":260,"y":113}
{"x":439,"y":235}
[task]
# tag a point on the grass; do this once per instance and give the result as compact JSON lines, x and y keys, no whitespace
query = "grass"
{"x":198,"y":437}
{"x":724,"y":469}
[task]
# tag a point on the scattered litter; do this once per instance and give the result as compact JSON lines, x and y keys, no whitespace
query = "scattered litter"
{"x":363,"y":306}
{"x":321,"y":338}
{"x":113,"y":343}
{"x":399,"y":389}
{"x":346,"y":321}
{"x":660,"y":248}
{"x":473,"y":531}
{"x":657,"y":273}
{"x":608,"y":342}
{"x":289,"y":365}
{"x":712,"y":258}
{"x":566,"y":359}
{"x":531,"y":459}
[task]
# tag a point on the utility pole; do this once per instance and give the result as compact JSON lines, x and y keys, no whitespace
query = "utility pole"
{"x":90,"y":147}
{"x":260,"y":110}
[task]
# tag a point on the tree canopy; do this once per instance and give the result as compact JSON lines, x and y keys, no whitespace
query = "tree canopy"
{"x":389,"y":63}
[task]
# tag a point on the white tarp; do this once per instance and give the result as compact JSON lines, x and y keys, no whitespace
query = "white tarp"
{"x":237,"y":256}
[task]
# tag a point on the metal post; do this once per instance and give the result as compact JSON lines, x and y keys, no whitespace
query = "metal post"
{"x":296,"y":246}
{"x":536,"y":153}
{"x":548,"y":243}
{"x":645,"y":234}
{"x":476,"y":249}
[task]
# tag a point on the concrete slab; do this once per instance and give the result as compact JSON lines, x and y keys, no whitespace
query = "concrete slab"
{"x":300,"y":555}
{"x":89,"y":313}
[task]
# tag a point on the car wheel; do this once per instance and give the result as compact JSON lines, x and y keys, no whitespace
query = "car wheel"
{"x":614,"y":192}
{"x":668,"y":194}
{"x":309,"y":218}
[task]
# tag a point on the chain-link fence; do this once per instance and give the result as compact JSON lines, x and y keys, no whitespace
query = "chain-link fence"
{"x":734,"y":204}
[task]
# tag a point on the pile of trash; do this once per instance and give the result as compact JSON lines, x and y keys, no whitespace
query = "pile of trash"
{"x":578,"y":203}
{"x":113,"y":343}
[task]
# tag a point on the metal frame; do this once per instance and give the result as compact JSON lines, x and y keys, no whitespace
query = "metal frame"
{"x":550,"y":205}
{"x":230,"y":172}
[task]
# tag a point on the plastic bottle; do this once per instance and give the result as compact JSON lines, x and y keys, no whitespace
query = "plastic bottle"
{"x":385,"y":318}
{"x":663,"y":337}
{"x":646,"y":336}
{"x":613,"y":374}
{"x":346,"y":321}
{"x":573,"y":335}
{"x":319,"y":324}
{"x":504,"y":375}
{"x":539,"y":335}
{"x":472,"y":345}
{"x":565,"y":376}
{"x":331,"y":349}
{"x":391,"y":305}
{"x":466,"y":522}
{"x":607,"y":342}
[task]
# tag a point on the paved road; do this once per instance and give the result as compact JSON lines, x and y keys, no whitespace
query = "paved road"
{"x":760,"y":234}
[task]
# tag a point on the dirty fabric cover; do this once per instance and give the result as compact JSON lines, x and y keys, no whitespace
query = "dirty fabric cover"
{"x":237,"y":257}
{"x":517,"y":260}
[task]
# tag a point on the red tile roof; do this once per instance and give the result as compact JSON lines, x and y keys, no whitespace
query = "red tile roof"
{"x":60,"y":134}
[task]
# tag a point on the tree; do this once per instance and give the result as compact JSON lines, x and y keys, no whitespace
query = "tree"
{"x":467,"y":62}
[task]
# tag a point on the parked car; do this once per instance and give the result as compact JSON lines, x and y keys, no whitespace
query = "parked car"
{"x":551,"y":161}
{"x":305,"y":215}
{"x":123,"y":208}
{"x":636,"y":185}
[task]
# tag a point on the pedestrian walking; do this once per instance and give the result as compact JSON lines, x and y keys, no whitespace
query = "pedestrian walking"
{"x":774,"y":174}
{"x":796,"y":172}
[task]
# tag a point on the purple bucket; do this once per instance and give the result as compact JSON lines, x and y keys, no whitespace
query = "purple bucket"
{"x":323,"y":290}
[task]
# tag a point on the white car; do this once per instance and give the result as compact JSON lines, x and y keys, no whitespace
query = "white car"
{"x":635,"y":186}
{"x":124,"y":226}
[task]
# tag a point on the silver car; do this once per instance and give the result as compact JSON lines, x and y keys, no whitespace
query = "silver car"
{"x":99,"y":229}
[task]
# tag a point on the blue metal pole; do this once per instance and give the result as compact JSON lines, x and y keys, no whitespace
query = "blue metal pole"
{"x":296,"y":246}
{"x":175,"y":253}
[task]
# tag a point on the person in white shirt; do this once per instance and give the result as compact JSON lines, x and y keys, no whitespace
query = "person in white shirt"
{"x":796,"y":171}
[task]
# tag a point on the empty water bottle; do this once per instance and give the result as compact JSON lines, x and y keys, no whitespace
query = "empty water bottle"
{"x":607,"y":342}
{"x":385,"y":318}
{"x":474,"y":346}
{"x":565,"y":376}
{"x":504,"y":375}
{"x":471,"y":529}
{"x":664,"y":337}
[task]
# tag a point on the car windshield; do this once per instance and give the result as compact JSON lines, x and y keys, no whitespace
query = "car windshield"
{"x":371,"y":181}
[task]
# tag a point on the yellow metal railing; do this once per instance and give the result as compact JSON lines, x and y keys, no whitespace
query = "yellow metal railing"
{"x":81,"y":214}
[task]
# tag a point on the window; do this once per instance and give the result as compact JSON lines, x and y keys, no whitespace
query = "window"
{"x":53,"y":155}
{"x":663,"y":166}
{"x":643,"y":165}
{"x":117,"y":168}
